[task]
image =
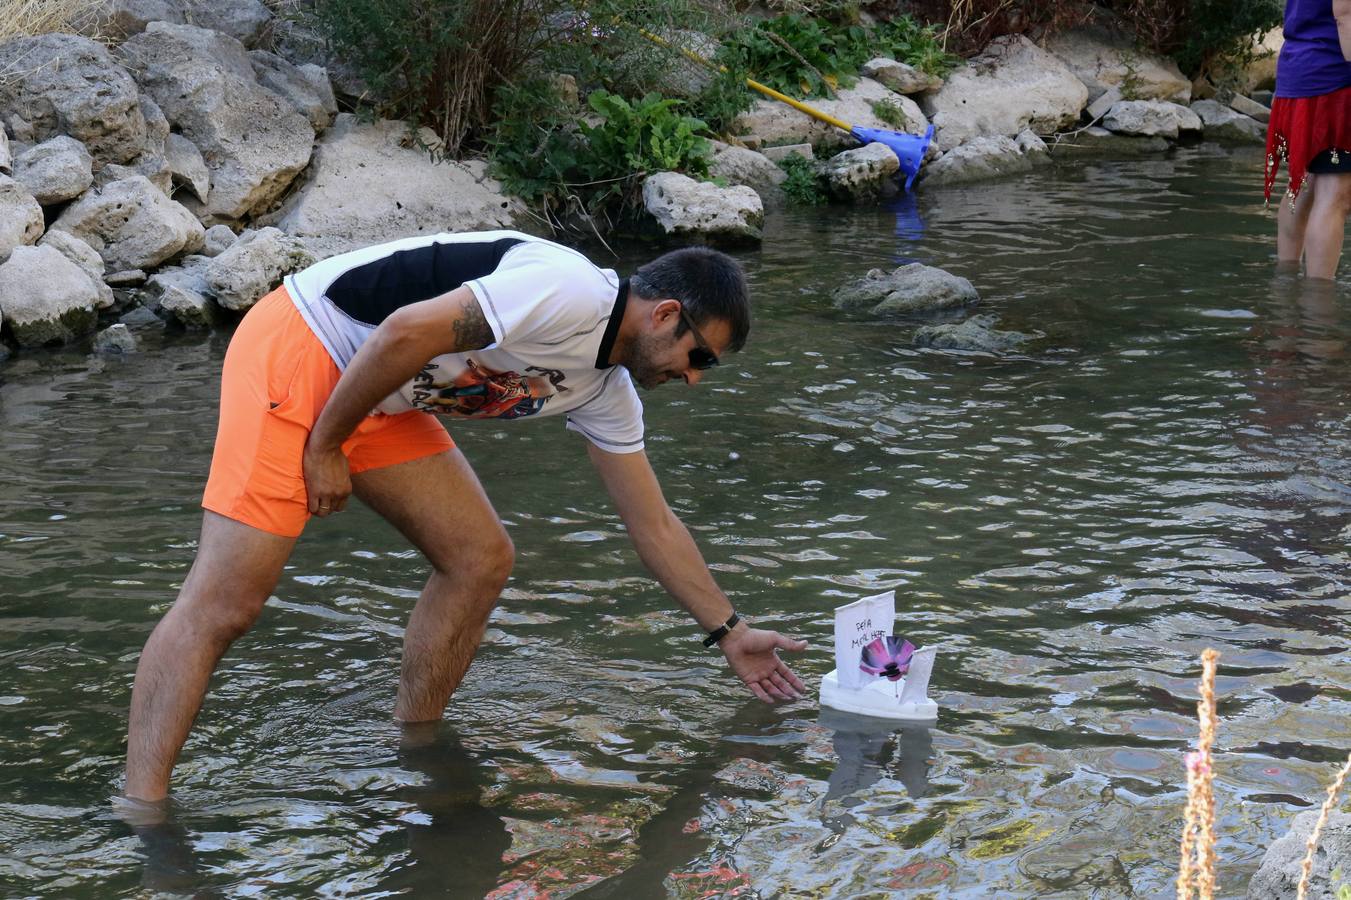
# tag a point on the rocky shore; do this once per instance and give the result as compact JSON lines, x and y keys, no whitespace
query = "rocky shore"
{"x":184,"y":168}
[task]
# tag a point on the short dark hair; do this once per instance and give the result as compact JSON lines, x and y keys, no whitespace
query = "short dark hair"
{"x":710,"y":285}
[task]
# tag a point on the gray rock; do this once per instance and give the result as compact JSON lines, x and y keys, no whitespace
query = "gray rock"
{"x":6,"y":157}
{"x":219,"y":238}
{"x":687,"y":208}
{"x":976,"y":333}
{"x":783,"y":151}
{"x":84,"y":256}
{"x":977,"y":160}
{"x":45,"y":298}
{"x":772,"y":122}
{"x":114,"y":340}
{"x":156,"y":124}
{"x":306,"y":89}
{"x":352,"y":201}
{"x":1033,"y":147}
{"x":1151,"y":118}
{"x":1249,"y":107}
{"x":141,"y":319}
{"x":1224,"y":124}
{"x":66,"y":84}
{"x":1012,"y":85}
{"x":125,"y":278}
{"x":244,"y":20}
{"x":186,"y":166}
{"x":901,"y":78}
{"x":132,"y":224}
{"x":863,"y":173}
{"x":1105,"y":59}
{"x":154,"y":168}
{"x":1279,"y":874}
{"x":254,"y":144}
{"x":56,"y":170}
{"x":910,"y":289}
{"x":181,"y":294}
{"x":254,"y":265}
{"x":19,"y":128}
{"x":737,"y":165}
{"x":20,"y":217}
{"x":1098,"y":142}
{"x":1104,"y":103}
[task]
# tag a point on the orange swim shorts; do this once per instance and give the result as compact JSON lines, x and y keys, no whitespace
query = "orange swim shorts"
{"x":276,"y":380}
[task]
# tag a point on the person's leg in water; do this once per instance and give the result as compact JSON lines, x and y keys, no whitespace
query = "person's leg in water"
{"x":439,"y":505}
{"x":236,"y":569}
{"x":1326,"y":226}
{"x":1292,"y":220}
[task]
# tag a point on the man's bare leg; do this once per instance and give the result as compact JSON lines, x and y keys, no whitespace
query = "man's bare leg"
{"x":439,"y":505}
{"x":236,"y":569}
{"x":1326,"y":226}
{"x":1292,"y":225}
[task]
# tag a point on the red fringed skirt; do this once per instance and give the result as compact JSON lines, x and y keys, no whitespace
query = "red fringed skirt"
{"x":1300,"y":129}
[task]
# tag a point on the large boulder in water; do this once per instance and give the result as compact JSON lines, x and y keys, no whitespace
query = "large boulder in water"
{"x":45,"y":298}
{"x":986,"y":157}
{"x":863,"y":173}
{"x":1281,"y":868}
{"x":1222,"y":123}
{"x":976,"y":333}
{"x":908,"y":290}
{"x":1013,"y":85}
{"x":687,"y":208}
{"x":1150,"y":118}
{"x":353,"y":201}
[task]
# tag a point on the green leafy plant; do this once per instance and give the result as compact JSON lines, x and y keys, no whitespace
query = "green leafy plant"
{"x":890,"y":112}
{"x":803,"y":184}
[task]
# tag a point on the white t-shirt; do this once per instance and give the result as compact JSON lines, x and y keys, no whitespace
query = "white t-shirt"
{"x":554,"y":317}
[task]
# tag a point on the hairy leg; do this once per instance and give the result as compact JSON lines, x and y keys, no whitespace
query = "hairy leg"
{"x":1327,"y":225}
{"x":439,"y":505}
{"x":237,"y":567}
{"x":1292,"y":225}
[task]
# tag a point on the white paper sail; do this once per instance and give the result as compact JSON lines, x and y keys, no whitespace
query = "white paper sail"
{"x":916,"y":689}
{"x":857,"y":625}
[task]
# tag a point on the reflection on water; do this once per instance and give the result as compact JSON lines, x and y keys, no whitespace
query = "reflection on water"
{"x":1168,"y":469}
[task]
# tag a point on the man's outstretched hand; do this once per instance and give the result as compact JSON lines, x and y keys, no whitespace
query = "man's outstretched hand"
{"x":754,"y":655}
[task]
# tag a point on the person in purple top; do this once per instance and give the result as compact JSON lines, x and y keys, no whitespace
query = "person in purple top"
{"x":1310,"y":131}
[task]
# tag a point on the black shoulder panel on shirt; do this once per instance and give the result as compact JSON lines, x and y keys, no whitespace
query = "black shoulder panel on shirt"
{"x":370,"y":292}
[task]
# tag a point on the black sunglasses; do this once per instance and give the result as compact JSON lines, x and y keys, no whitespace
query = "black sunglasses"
{"x":701,"y":357}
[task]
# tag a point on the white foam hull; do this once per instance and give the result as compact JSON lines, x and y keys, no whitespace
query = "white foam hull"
{"x":878,"y":698}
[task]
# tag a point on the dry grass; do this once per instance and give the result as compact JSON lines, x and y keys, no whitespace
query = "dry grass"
{"x":22,"y":18}
{"x":1196,"y":872}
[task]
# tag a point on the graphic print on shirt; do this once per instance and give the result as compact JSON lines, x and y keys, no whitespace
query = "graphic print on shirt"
{"x":481,"y":393}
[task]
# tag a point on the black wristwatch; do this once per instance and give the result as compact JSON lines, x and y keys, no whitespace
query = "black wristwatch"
{"x":720,"y":632}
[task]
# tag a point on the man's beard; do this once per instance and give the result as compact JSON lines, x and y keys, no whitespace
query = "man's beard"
{"x":642,"y":350}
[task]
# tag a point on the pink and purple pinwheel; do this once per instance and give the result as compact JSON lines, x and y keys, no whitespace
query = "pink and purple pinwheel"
{"x":888,"y":656}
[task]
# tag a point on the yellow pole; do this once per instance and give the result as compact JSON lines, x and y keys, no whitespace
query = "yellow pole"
{"x":762,"y":88}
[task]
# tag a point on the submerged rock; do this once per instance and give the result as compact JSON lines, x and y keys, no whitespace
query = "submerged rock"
{"x":863,"y":173}
{"x":687,"y":208}
{"x":115,"y":339}
{"x":1095,"y":141}
{"x":976,"y":333}
{"x":981,"y":158}
{"x":910,"y":289}
{"x":1279,"y":874}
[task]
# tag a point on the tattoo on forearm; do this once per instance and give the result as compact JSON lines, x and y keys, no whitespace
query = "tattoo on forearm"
{"x":471,"y":329}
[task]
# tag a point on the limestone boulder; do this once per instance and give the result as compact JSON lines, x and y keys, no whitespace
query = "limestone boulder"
{"x":867,"y":172}
{"x":771,"y":122}
{"x":306,"y":88}
{"x":84,"y":256}
{"x":45,"y":298}
{"x":980,"y":159}
{"x":181,"y":295}
{"x":253,"y":142}
{"x":254,"y":265}
{"x":114,"y":340}
{"x":244,"y":20}
{"x":909,"y":290}
{"x":367,"y":186}
{"x":737,"y":165}
{"x":56,"y":170}
{"x":1221,"y":123}
{"x":900,"y":77}
{"x":153,"y":167}
{"x":1279,"y":873}
{"x":187,"y":169}
{"x":219,"y":238}
{"x":67,"y":84}
{"x":1248,"y":107}
{"x":1151,"y":118}
{"x":1104,"y":58}
{"x":132,"y":224}
{"x":20,"y":217}
{"x":703,"y":211}
{"x":1011,"y":86}
{"x":976,"y":334}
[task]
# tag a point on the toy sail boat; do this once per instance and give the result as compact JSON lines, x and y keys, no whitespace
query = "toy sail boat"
{"x":878,"y":674}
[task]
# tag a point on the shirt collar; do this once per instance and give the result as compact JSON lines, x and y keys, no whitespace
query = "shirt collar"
{"x":607,"y":340}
